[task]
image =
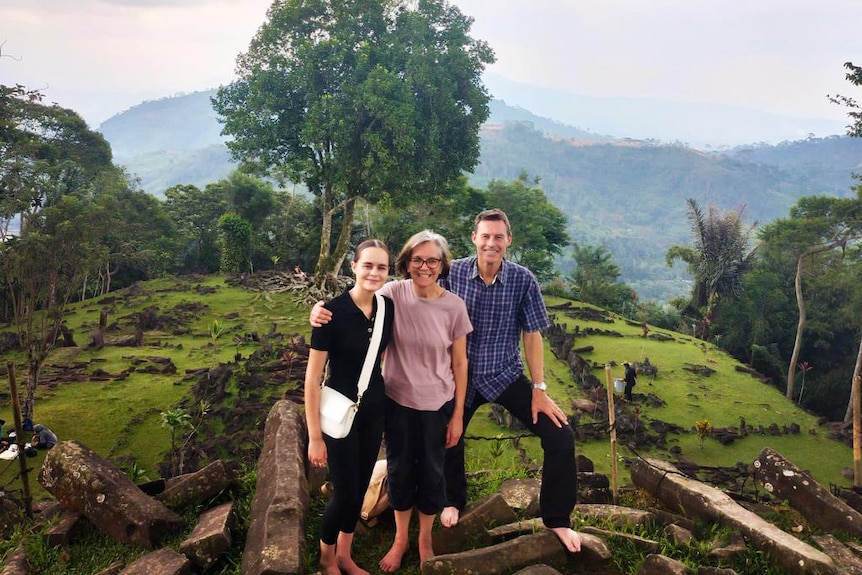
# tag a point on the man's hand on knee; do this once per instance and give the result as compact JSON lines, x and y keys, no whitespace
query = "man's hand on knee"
{"x":543,"y":404}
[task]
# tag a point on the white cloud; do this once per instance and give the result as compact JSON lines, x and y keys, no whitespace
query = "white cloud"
{"x":101,"y":56}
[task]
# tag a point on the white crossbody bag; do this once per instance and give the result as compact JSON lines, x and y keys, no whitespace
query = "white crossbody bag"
{"x":337,"y":411}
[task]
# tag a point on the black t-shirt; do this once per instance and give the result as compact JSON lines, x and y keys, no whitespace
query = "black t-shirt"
{"x":346,"y":338}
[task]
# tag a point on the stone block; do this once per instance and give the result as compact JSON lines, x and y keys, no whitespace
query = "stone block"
{"x":86,"y":483}
{"x":211,"y":536}
{"x":162,"y":562}
{"x":276,"y":539}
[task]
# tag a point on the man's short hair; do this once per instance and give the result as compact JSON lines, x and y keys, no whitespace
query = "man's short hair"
{"x":492,"y":215}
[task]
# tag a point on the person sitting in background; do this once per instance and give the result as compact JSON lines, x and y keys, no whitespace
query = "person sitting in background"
{"x":43,"y":438}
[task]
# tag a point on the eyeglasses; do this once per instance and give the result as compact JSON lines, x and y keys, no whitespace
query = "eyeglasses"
{"x":432,"y":263}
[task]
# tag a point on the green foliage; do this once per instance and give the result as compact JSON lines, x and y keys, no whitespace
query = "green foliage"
{"x":595,"y":280}
{"x":136,"y":473}
{"x":134,"y":228}
{"x":539,"y":227}
{"x":195,"y":214}
{"x":236,"y":234}
{"x":358,"y":100}
{"x":759,"y":326}
{"x":719,"y":257}
{"x":216,"y":330}
{"x":177,"y":420}
{"x":854,"y":110}
{"x":703,"y":428}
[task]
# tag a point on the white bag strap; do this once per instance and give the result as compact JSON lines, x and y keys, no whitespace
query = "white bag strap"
{"x":373,"y":347}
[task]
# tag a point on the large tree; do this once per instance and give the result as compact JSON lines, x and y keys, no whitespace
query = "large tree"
{"x":595,"y":279}
{"x":45,"y":152}
{"x":539,"y":227}
{"x":717,"y":260}
{"x":49,"y":161}
{"x":195,"y":214}
{"x":854,"y":108}
{"x":358,"y":99}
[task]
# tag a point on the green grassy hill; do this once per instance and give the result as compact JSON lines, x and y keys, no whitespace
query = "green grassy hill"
{"x":205,"y":321}
{"x":725,"y":398}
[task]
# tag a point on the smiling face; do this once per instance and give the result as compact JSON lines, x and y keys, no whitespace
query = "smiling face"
{"x":491,"y":239}
{"x":371,"y":268}
{"x":425,"y":274}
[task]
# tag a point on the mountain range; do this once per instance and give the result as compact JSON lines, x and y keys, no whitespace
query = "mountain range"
{"x":624,"y":193}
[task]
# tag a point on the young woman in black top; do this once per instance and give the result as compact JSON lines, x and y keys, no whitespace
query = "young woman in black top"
{"x":344,"y":343}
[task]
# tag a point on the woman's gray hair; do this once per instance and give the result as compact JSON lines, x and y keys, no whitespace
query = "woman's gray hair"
{"x":402,"y":262}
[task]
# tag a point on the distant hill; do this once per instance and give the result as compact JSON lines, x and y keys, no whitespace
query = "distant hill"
{"x":630,"y":196}
{"x":626,"y":194}
{"x":185,"y":122}
{"x":700,"y":125}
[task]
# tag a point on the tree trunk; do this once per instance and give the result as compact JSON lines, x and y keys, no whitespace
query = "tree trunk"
{"x":857,"y":370}
{"x":330,"y":257}
{"x":797,"y":344}
{"x":800,"y":326}
{"x":325,"y":234}
{"x":27,"y":408}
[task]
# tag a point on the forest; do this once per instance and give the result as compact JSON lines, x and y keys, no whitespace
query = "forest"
{"x":74,"y":224}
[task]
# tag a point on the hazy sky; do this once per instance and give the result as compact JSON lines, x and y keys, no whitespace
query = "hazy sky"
{"x":100,"y":57}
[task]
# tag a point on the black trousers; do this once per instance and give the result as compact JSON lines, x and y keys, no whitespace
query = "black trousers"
{"x":559,"y":473}
{"x":415,"y":448}
{"x":351,"y":461}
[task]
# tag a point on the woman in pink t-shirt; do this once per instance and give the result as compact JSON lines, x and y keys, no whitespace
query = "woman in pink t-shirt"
{"x":425,"y":375}
{"x":425,"y":379}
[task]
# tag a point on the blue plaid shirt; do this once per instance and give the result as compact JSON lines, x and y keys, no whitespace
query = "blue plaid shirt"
{"x":499,"y":313}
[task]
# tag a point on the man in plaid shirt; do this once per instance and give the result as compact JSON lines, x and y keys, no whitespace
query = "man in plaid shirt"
{"x":505,"y":304}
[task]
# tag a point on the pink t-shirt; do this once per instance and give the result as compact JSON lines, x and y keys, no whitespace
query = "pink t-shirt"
{"x":417,"y":368}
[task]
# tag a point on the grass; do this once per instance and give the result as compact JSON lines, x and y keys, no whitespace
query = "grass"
{"x":723,"y":398}
{"x":121,"y":419}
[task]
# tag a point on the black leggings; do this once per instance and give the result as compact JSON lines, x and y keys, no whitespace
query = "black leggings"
{"x":351,"y":461}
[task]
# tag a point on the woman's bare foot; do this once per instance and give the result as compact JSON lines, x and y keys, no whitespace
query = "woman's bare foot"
{"x":391,"y":562}
{"x":348,"y":566}
{"x":569,"y":538}
{"x":449,"y":516}
{"x":425,"y":551}
{"x":328,"y":562}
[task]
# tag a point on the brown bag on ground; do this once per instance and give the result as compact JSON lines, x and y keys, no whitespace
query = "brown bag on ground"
{"x":376,"y":499}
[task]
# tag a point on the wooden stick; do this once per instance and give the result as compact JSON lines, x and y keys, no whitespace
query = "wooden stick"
{"x":611,"y":421}
{"x":857,"y":435}
{"x":20,"y":439}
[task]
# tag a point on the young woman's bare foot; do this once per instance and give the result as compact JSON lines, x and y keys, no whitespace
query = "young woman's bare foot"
{"x":328,"y":562}
{"x":391,"y":562}
{"x":569,"y":538}
{"x":348,"y":566}
{"x":449,"y":516}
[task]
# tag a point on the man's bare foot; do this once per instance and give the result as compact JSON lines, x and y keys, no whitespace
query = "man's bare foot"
{"x":391,"y":562}
{"x":449,"y":516}
{"x":348,"y":566}
{"x":569,"y":538}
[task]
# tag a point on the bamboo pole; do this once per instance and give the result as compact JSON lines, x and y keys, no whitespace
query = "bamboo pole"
{"x":20,"y":439}
{"x":857,"y":435}
{"x":611,"y":420}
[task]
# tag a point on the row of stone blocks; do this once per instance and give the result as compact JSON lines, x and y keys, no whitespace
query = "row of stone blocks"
{"x":85,"y":485}
{"x":88,"y":486}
